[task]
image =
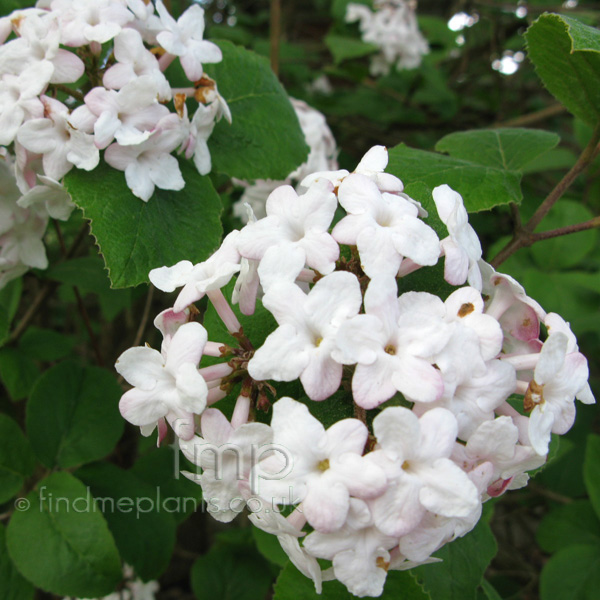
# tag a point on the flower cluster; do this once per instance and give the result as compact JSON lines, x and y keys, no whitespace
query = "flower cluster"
{"x":393,"y":28}
{"x":24,"y":214}
{"x":80,"y":77}
{"x":322,"y":157}
{"x":434,"y":404}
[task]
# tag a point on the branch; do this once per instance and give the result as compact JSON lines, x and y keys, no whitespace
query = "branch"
{"x":80,"y":304}
{"x":587,"y":156}
{"x":534,"y":117}
{"x":524,"y":236}
{"x":546,"y":235}
{"x":275,"y":34}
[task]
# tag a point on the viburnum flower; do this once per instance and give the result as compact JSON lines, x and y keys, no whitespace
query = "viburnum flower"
{"x":385,"y":228}
{"x":422,"y":475}
{"x":301,"y":346}
{"x":129,"y":115}
{"x":183,"y":38}
{"x":133,"y":61}
{"x":197,"y":280}
{"x":461,"y":248}
{"x":166,"y":385}
{"x":49,"y":198}
{"x":19,"y":98}
{"x":359,"y":551}
{"x":299,"y":220}
{"x":392,"y":347}
{"x":149,"y":164}
{"x":225,"y":454}
{"x":84,"y":21}
{"x":288,"y":531}
{"x":328,"y":466}
{"x":557,"y":378}
{"x":38,"y":41}
{"x":60,"y":142}
{"x":495,"y":441}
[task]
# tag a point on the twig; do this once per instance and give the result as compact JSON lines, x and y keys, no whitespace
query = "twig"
{"x":555,"y":497}
{"x":275,"y":34}
{"x":67,"y":90}
{"x":524,"y":236}
{"x":80,"y":304}
{"x":145,"y":315}
{"x":568,"y":229}
{"x":534,"y":117}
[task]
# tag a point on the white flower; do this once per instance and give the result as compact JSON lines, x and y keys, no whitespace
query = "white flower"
{"x":393,"y":28}
{"x":226,"y":456}
{"x":423,"y":478}
{"x":328,"y":466}
{"x":19,"y":98}
{"x":302,"y":344}
{"x":462,"y":247}
{"x":48,"y":199}
{"x":133,"y":61}
{"x":197,"y":280}
{"x":557,"y":378}
{"x":392,"y":345}
{"x":385,"y":228}
{"x":165,"y":384}
{"x":359,"y":551}
{"x":149,"y":164}
{"x":300,"y":220}
{"x":183,"y":38}
{"x":85,"y":21}
{"x":60,"y":142}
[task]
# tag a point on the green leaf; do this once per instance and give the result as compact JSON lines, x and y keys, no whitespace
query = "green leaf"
{"x":566,"y":56}
{"x":61,"y":543}
{"x":570,"y":524}
{"x":16,"y":458}
{"x":18,"y":373}
{"x":45,"y":344}
{"x":293,"y":585}
{"x":11,"y":581}
{"x":464,"y":563}
{"x":591,"y":472}
{"x":557,"y":159}
{"x":573,"y":573}
{"x":507,"y":149}
{"x":483,"y":166}
{"x":86,"y":272}
{"x":344,"y":47}
{"x":231,"y":570}
{"x":143,"y":532}
{"x":135,"y":236}
{"x":264,"y":140}
{"x":72,"y":416}
{"x":568,"y":250}
{"x":161,"y":468}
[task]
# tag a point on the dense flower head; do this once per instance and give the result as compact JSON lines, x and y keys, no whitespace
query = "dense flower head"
{"x":124,"y":104}
{"x":122,"y":111}
{"x":409,"y":411}
{"x":392,"y":27}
